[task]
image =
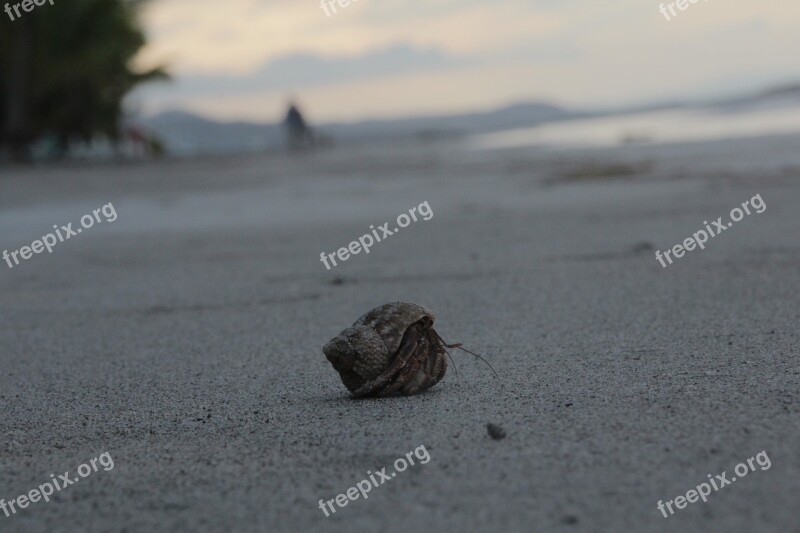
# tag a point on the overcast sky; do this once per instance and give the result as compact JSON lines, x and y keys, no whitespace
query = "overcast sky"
{"x":239,"y":59}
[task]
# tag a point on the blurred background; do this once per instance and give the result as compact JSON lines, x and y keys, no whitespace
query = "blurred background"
{"x":95,"y":71}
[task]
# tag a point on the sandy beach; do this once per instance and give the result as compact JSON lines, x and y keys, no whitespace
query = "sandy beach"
{"x":185,"y":339}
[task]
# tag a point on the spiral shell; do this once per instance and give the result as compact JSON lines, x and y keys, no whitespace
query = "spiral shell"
{"x":393,"y":349}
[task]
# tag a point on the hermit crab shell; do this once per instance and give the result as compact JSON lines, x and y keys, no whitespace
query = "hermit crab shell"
{"x":392,"y":349}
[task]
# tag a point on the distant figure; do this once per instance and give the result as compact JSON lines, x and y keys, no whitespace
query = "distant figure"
{"x":142,"y":143}
{"x":298,"y":134}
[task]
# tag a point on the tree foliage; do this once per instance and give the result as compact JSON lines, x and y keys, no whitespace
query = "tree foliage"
{"x":65,"y":68}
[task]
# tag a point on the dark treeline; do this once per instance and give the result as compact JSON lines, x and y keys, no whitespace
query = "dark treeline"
{"x":64,"y":70}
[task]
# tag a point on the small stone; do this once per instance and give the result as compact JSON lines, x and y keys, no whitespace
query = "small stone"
{"x":570,"y":519}
{"x":495,"y":431}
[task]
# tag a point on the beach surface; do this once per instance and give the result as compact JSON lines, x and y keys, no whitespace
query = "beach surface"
{"x":184,"y":339}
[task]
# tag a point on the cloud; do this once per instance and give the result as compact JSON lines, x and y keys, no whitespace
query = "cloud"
{"x":306,"y":70}
{"x":239,"y":58}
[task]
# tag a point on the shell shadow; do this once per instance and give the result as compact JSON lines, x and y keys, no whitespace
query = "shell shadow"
{"x":346,"y":399}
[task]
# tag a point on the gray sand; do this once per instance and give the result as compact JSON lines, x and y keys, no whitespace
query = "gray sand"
{"x":185,"y":339}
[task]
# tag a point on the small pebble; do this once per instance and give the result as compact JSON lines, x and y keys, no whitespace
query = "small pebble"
{"x":495,"y":431}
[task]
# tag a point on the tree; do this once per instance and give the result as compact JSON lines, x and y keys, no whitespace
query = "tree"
{"x":66,"y":68}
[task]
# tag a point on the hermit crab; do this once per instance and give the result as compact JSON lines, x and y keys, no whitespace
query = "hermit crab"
{"x":392,"y":349}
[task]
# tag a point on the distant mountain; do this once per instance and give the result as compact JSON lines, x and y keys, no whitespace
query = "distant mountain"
{"x":185,"y":133}
{"x":515,"y":116}
{"x":785,"y":90}
{"x":787,"y":94}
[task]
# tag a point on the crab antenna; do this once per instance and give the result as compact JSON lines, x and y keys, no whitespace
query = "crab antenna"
{"x":451,"y":360}
{"x":460,"y":347}
{"x":476,"y":355}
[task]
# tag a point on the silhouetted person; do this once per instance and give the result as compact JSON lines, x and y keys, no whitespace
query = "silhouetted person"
{"x":298,"y":134}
